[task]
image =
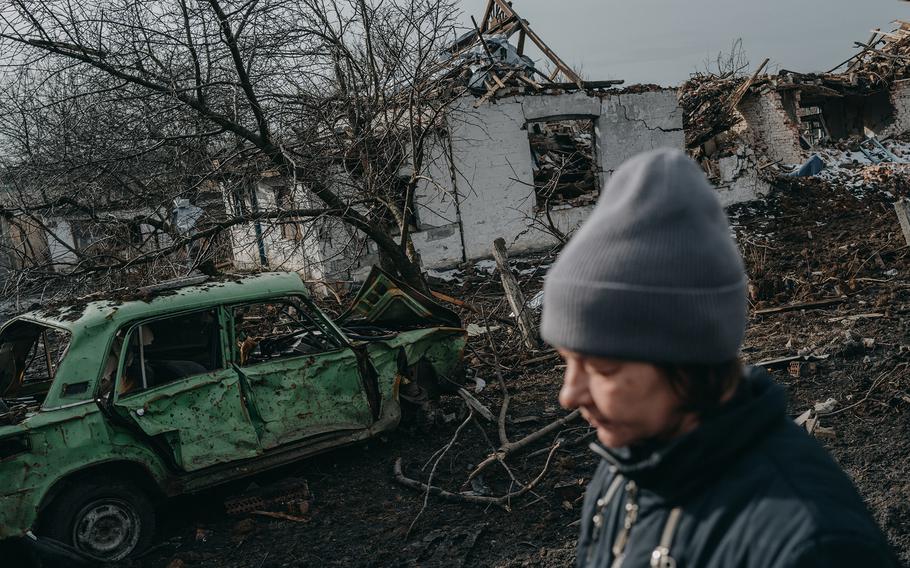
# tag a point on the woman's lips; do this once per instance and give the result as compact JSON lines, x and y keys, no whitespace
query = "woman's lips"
{"x":596,"y":422}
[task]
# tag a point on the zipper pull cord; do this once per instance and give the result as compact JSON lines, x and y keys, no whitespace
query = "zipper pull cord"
{"x":660,"y":557}
{"x":619,"y":545}
{"x":601,"y":507}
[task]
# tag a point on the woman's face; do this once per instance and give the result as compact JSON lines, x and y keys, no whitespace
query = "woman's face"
{"x":628,"y":402}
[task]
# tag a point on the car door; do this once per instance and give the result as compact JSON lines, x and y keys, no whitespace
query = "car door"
{"x":302,"y":376}
{"x":174,"y":385}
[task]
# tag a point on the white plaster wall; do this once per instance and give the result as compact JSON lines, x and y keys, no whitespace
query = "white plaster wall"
{"x":244,"y":248}
{"x":538,"y":237}
{"x":493,"y":160}
{"x":494,"y":178}
{"x":637,"y":122}
{"x":434,"y":197}
{"x":439,"y":246}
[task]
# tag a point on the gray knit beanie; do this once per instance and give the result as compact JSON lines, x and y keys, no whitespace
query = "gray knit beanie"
{"x":653,"y":274}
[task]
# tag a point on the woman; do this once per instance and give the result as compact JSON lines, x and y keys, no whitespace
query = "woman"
{"x":701,"y":465}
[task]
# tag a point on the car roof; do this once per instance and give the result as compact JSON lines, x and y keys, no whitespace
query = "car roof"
{"x":124,"y":305}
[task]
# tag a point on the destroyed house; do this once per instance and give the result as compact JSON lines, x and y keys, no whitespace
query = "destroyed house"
{"x":521,"y":154}
{"x":792,"y":114}
{"x":60,"y":236}
{"x":748,"y":132}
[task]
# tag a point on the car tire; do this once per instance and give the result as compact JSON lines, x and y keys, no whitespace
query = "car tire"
{"x":108,"y":521}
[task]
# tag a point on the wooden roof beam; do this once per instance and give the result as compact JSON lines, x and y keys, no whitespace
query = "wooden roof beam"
{"x":560,"y":64}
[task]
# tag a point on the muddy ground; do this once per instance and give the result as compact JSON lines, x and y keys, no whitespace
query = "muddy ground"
{"x":809,"y":241}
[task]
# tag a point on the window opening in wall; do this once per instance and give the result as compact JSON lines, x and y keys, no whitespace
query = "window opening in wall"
{"x":117,"y":239}
{"x":812,"y":125}
{"x":824,"y":116}
{"x":564,"y":161}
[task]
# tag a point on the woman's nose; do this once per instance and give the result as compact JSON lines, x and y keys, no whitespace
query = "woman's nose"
{"x":574,"y":391}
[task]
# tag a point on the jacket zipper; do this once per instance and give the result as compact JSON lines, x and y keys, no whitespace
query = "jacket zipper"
{"x":600,"y":507}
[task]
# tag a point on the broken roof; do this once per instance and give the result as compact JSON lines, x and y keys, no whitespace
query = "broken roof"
{"x":484,"y":60}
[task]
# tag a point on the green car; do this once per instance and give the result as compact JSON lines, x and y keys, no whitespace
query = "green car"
{"x":108,"y":405}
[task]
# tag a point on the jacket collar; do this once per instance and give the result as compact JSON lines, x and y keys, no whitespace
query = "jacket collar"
{"x":681,"y":467}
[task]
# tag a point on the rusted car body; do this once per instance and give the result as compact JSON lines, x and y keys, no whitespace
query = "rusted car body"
{"x":181,"y":389}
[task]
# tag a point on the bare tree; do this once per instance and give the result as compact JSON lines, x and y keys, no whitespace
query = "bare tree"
{"x":128,"y":104}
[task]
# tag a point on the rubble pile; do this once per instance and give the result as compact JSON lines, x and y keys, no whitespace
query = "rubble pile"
{"x":563,"y":156}
{"x":704,"y":100}
{"x":862,"y":173}
{"x":474,"y":67}
{"x":884,"y":59}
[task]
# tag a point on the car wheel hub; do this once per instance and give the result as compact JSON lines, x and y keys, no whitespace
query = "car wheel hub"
{"x":108,"y":529}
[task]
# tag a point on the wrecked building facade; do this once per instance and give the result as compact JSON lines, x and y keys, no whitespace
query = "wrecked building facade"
{"x":493,"y":175}
{"x":526,"y":161}
{"x":747,"y":132}
{"x":517,"y":156}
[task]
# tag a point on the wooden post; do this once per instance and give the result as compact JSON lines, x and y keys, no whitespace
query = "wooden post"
{"x":514,"y":295}
{"x":902,"y":209}
{"x":739,"y":93}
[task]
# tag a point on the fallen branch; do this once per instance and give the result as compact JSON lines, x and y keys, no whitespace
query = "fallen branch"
{"x":503,"y":436}
{"x":282,"y":516}
{"x":784,"y":360}
{"x":570,"y":444}
{"x":502,"y":501}
{"x":875,"y":384}
{"x":540,"y":359}
{"x":447,"y":447}
{"x":800,"y":306}
{"x":471,"y":308}
{"x":508,"y":449}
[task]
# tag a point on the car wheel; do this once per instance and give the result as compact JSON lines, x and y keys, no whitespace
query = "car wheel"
{"x":107,"y":521}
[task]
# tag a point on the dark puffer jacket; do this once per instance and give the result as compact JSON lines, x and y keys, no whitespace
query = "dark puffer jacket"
{"x":746,"y":489}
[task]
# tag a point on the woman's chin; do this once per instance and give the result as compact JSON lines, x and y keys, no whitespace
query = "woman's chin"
{"x":611,"y":439}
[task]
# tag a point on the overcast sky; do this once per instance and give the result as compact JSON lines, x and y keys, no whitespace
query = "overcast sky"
{"x":663,"y":41}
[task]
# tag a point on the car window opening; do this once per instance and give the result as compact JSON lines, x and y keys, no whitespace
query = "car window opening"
{"x":269,"y":331}
{"x":30,"y":355}
{"x":162,"y":351}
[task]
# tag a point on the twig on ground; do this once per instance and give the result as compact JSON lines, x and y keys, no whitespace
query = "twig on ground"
{"x":448,"y":446}
{"x":507,"y":449}
{"x":875,"y":384}
{"x":570,"y":444}
{"x":503,"y":436}
{"x":502,"y":462}
{"x":502,"y":501}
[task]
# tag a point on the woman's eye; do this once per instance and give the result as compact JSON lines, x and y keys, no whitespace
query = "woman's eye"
{"x":603,"y":369}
